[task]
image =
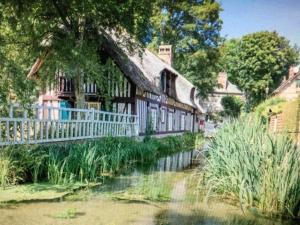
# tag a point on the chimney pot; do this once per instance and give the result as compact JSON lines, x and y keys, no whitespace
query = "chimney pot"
{"x":165,"y":53}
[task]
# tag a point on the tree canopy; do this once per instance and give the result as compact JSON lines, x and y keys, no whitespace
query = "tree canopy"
{"x":64,"y":35}
{"x":257,"y":63}
{"x":193,"y":29}
{"x":67,"y":35}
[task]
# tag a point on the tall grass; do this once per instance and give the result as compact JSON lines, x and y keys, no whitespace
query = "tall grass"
{"x":5,"y":167}
{"x":85,"y":161}
{"x":12,"y":171}
{"x":258,"y":168}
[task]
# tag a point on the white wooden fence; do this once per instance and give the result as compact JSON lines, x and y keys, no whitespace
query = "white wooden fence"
{"x":42,"y":124}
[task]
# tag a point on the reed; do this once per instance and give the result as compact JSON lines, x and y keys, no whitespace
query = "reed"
{"x":84,"y":161}
{"x":258,"y":168}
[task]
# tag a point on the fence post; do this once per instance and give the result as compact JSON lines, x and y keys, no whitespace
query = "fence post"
{"x":92,"y":122}
{"x":11,"y":111}
{"x":137,"y":125}
{"x":42,"y":127}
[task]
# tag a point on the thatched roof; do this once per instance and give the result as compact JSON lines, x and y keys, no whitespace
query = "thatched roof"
{"x":144,"y":68}
{"x":201,"y":106}
{"x":129,"y":64}
{"x":184,"y":90}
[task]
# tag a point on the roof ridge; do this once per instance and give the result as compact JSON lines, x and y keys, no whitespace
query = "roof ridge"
{"x":283,"y":84}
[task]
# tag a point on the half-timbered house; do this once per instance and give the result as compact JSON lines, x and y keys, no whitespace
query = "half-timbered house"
{"x":148,"y":86}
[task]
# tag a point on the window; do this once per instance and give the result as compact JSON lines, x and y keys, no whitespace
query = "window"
{"x":162,"y":115}
{"x":154,"y":119}
{"x":193,"y":94}
{"x":93,"y":105}
{"x":163,"y":80}
{"x":182,"y":122}
{"x":297,"y":83}
{"x":170,"y":121}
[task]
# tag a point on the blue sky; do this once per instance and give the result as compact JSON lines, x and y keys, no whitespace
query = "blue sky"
{"x":246,"y":16}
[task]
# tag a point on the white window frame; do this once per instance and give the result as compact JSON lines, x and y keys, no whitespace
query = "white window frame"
{"x":162,"y":115}
{"x":154,"y":118}
{"x":94,"y":105}
{"x":182,"y":121}
{"x":170,"y":121}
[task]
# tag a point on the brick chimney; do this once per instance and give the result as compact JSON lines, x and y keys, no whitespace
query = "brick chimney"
{"x":222,"y":80}
{"x":165,"y":54}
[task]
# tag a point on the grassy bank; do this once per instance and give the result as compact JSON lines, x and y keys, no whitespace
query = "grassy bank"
{"x":84,"y":162}
{"x":257,"y":168}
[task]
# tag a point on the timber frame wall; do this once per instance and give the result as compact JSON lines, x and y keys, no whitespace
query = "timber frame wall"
{"x":166,"y":114}
{"x":165,"y":117}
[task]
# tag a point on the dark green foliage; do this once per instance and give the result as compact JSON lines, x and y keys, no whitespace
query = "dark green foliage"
{"x":192,"y":27}
{"x":257,"y":63}
{"x":86,"y":161}
{"x":172,"y":144}
{"x":232,"y":106}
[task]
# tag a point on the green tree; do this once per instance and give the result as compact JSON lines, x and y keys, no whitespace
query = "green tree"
{"x":192,"y":27}
{"x":232,"y":106}
{"x":66,"y":35}
{"x":257,"y":63}
{"x":13,"y":86}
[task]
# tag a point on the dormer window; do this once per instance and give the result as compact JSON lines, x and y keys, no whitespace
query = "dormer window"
{"x":193,"y":94}
{"x":163,"y":82}
{"x":167,"y":83}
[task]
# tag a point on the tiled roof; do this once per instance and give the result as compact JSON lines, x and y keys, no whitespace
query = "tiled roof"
{"x":229,"y":89}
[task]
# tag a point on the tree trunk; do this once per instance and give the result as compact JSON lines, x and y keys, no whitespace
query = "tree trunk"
{"x":79,"y":90}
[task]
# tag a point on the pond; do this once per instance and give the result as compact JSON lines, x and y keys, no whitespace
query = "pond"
{"x":158,"y":194}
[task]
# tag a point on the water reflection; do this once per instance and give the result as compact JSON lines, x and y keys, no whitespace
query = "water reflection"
{"x":157,"y":171}
{"x":165,"y":182}
{"x":176,"y":162}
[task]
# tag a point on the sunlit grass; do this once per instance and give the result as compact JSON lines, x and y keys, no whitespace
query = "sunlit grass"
{"x":67,"y":214}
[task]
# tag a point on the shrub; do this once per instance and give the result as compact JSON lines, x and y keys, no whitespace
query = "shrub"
{"x":232,"y":106}
{"x":262,"y":110}
{"x":258,"y":168}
